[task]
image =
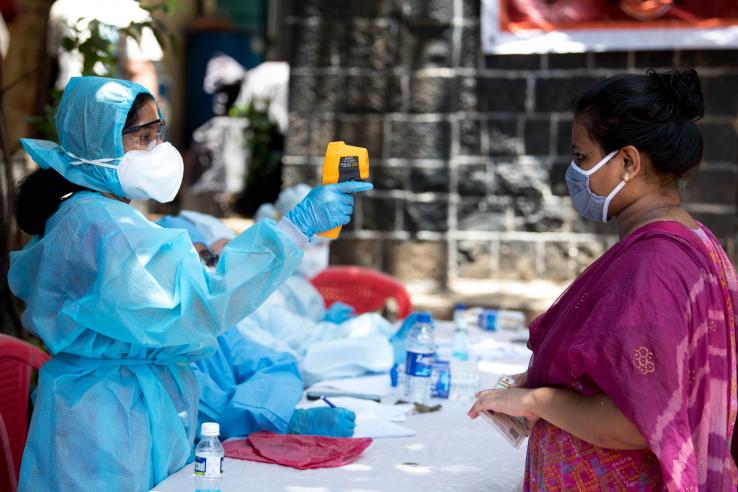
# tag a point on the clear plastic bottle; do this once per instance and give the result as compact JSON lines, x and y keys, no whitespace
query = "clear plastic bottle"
{"x":460,"y":343}
{"x":511,"y":320}
{"x":464,"y":380}
{"x":209,"y":459}
{"x":421,"y":350}
{"x":502,"y":319}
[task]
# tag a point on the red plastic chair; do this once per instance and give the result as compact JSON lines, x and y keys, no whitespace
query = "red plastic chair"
{"x":8,"y":477}
{"x":365,"y":289}
{"x":17,"y":359}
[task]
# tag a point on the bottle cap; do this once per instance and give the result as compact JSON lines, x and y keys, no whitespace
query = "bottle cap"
{"x":210,"y":429}
{"x":460,"y":307}
{"x":424,"y":317}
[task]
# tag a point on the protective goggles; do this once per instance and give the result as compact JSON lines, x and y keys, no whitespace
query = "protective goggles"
{"x":145,"y":136}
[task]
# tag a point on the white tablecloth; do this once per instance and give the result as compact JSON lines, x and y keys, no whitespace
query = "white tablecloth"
{"x":449,"y":453}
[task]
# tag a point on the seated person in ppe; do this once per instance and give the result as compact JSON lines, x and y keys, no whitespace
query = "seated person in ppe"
{"x":122,"y":304}
{"x":214,"y":232}
{"x":247,"y":387}
{"x":209,"y":252}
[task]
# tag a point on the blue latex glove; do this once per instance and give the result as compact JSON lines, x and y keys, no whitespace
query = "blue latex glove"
{"x":400,"y":337}
{"x":338,"y":313}
{"x":332,"y":422}
{"x":326,"y":207}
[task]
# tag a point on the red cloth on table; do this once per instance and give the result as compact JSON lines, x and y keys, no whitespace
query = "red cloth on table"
{"x":298,"y":451}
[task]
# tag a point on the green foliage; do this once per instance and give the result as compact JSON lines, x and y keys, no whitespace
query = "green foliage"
{"x":97,"y":49}
{"x":260,"y":134}
{"x":166,"y":6}
{"x":44,"y":123}
{"x":265,"y":146}
{"x":100,"y":54}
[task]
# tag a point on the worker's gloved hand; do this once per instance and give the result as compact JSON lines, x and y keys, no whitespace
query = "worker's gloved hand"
{"x":338,"y":313}
{"x":332,"y":422}
{"x":326,"y":207}
{"x":400,"y":337}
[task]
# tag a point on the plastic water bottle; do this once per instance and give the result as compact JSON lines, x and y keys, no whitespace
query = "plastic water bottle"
{"x":502,"y":320}
{"x":421,"y":350}
{"x":464,"y":380}
{"x":460,"y":343}
{"x":209,"y":459}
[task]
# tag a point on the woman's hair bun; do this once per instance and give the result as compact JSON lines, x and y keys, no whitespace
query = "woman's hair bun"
{"x":684,"y":89}
{"x":655,"y":112}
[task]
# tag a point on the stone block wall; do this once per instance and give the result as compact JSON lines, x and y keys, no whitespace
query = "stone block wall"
{"x":468,"y":151}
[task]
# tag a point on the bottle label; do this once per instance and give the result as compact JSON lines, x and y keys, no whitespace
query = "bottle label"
{"x":419,"y":365}
{"x":209,"y":467}
{"x":488,"y":320}
{"x":441,"y":379}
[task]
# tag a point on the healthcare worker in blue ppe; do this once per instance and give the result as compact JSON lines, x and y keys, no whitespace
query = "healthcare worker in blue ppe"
{"x":247,"y":387}
{"x":123,"y":305}
{"x":328,"y":343}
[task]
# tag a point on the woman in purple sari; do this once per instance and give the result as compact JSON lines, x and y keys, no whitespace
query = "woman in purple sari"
{"x":632,"y":383}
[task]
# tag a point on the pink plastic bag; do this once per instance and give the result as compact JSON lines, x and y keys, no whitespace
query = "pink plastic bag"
{"x":297,"y":451}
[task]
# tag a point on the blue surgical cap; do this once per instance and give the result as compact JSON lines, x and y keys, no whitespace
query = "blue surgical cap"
{"x":89,"y":125}
{"x":179,"y":222}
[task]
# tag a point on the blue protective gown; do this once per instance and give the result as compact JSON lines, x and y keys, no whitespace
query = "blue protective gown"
{"x":247,"y":387}
{"x":124,"y":307}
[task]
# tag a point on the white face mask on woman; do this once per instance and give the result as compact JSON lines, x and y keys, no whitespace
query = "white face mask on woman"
{"x":146,"y":174}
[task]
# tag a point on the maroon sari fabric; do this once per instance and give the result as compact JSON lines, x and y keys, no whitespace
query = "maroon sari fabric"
{"x":652,"y":325}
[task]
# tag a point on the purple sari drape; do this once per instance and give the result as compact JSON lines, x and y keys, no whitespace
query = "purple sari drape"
{"x":651,"y":324}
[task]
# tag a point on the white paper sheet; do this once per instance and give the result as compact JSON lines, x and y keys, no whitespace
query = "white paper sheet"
{"x":369,"y":410}
{"x":374,"y":419}
{"x":381,"y":429}
{"x":375,"y":384}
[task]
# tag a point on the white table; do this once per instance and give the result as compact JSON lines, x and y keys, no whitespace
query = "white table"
{"x":449,"y":453}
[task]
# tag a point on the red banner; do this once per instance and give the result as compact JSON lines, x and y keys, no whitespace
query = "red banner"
{"x":589,"y":24}
{"x":587,"y":14}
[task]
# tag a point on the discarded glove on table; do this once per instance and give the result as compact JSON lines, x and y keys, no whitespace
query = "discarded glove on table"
{"x":297,"y":451}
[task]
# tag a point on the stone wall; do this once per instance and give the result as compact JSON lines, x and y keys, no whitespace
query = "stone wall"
{"x":468,"y":151}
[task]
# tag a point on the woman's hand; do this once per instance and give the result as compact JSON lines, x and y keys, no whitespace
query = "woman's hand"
{"x":592,"y":418}
{"x":516,"y":402}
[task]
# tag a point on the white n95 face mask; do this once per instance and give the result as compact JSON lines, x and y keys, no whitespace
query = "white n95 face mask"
{"x":155,"y":174}
{"x":146,"y":174}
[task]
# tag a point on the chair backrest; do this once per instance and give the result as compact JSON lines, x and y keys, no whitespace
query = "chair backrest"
{"x":17,"y":359}
{"x":363,"y":288}
{"x":8,"y":477}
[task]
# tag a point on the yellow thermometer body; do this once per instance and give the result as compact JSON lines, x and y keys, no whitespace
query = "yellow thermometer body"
{"x":344,"y":163}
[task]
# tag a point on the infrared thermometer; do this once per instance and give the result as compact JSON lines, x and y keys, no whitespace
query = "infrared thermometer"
{"x":344,"y":163}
